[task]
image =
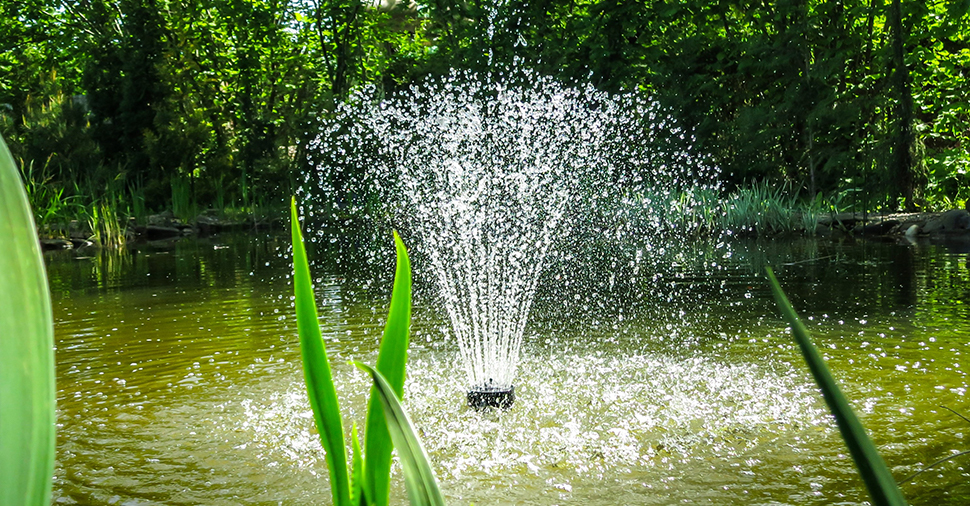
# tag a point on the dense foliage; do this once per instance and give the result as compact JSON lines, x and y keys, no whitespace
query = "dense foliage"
{"x":155,"y":103}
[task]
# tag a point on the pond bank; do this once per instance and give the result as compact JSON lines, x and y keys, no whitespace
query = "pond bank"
{"x":952,"y":223}
{"x":159,"y":227}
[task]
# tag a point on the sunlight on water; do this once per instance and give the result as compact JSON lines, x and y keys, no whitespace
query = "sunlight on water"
{"x":579,"y":415}
{"x":180,"y":384}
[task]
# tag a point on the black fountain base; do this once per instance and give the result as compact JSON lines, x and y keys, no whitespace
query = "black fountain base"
{"x":491,"y":397}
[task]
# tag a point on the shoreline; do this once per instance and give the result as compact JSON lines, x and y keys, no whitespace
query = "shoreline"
{"x":158,"y":227}
{"x":952,"y":223}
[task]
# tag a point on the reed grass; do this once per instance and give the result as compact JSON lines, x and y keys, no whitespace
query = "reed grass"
{"x":879,"y":481}
{"x":757,"y":210}
{"x":52,"y":207}
{"x":760,"y":209}
{"x":368,"y":480}
{"x":105,"y":225}
{"x":27,"y":391}
{"x":183,"y":206}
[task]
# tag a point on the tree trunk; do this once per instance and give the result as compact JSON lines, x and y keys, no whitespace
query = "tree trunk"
{"x":902,"y":165}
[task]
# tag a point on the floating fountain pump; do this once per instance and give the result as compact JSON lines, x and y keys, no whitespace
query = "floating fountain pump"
{"x":491,"y":396}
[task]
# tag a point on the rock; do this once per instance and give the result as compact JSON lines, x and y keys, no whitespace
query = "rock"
{"x":210,"y":222}
{"x":153,"y":233}
{"x":912,"y":231}
{"x":164,"y":219}
{"x":879,"y":228}
{"x":55,"y":244}
{"x":953,"y":221}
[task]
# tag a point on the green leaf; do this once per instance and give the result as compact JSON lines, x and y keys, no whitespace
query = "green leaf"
{"x":357,"y":489}
{"x":316,"y":370}
{"x":882,"y":487}
{"x":27,"y":391}
{"x":422,"y":486}
{"x":391,"y":363}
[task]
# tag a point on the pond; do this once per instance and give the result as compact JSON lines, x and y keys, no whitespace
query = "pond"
{"x":666,"y":381}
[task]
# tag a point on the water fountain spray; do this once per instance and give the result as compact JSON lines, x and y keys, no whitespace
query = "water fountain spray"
{"x":488,"y":176}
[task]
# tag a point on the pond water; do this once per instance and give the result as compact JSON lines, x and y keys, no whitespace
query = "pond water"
{"x":665,"y":381}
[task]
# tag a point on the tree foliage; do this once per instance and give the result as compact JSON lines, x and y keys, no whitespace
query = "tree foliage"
{"x":859,"y":96}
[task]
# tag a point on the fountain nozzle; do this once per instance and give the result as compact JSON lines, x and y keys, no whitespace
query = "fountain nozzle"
{"x":483,"y":397}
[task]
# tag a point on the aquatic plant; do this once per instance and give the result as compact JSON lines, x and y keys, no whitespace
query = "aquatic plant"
{"x":105,"y":225}
{"x":52,"y":207}
{"x":760,"y":210}
{"x":27,"y":394}
{"x":182,"y":199}
{"x":368,"y":481}
{"x":879,"y":481}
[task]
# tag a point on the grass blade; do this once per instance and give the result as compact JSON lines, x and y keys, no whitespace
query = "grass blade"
{"x":27,"y":394}
{"x":390,"y":363}
{"x":882,"y":487}
{"x":357,"y":492}
{"x":422,"y":486}
{"x":316,"y":370}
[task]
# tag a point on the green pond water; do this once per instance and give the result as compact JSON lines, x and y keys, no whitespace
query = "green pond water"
{"x":646,"y":378}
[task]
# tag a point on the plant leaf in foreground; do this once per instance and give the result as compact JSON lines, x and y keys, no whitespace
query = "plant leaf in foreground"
{"x":357,"y":489}
{"x":391,"y":363}
{"x":316,"y":370}
{"x":882,"y":487}
{"x":422,"y":486}
{"x":27,"y":392}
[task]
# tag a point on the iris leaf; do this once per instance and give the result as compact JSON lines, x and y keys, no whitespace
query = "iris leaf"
{"x":422,"y":486}
{"x":879,"y":481}
{"x":316,"y":370}
{"x":27,"y":391}
{"x":391,"y":362}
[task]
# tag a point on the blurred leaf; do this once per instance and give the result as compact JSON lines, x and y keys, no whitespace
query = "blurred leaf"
{"x":422,"y":486}
{"x":956,"y":9}
{"x":316,"y":370}
{"x":27,"y":390}
{"x":882,"y":487}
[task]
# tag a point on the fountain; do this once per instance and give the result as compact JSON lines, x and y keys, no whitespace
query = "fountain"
{"x":486,"y":173}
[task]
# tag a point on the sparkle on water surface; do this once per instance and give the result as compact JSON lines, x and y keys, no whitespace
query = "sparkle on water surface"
{"x":179,"y":381}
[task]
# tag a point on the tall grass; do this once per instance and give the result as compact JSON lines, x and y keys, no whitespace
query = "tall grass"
{"x":368,"y":480}
{"x":27,"y":394}
{"x":761,"y":210}
{"x":182,"y":203}
{"x":879,"y":481}
{"x":105,"y":225}
{"x":52,"y":206}
{"x":136,"y":207}
{"x":756,"y":210}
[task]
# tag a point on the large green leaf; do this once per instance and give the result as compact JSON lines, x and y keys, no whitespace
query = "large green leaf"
{"x":882,"y":487}
{"x":422,"y":486}
{"x":391,"y":363}
{"x":27,"y":392}
{"x":316,"y":370}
